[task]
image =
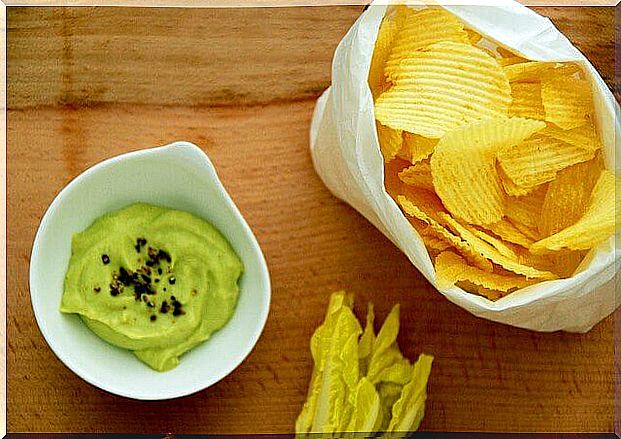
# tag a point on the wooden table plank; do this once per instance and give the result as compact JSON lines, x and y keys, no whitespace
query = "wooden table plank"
{"x":486,"y":376}
{"x":155,"y":56}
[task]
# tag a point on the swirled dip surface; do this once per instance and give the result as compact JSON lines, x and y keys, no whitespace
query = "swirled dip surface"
{"x":152,"y":280}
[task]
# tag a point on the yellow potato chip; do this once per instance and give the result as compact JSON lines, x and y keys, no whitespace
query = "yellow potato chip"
{"x":442,"y":88}
{"x":537,"y":160}
{"x":390,"y":141}
{"x":567,"y":197}
{"x":416,"y":148}
{"x":584,"y":136}
{"x":568,"y":102}
{"x":506,"y":53}
{"x":530,"y":233}
{"x":481,"y":291}
{"x":526,"y":100}
{"x":535,"y":71}
{"x":562,"y":263}
{"x":394,"y":186}
{"x":510,"y":187}
{"x":451,"y":268}
{"x":490,"y":253}
{"x":511,"y":60}
{"x":419,"y":29}
{"x":526,"y":210}
{"x":502,"y":248}
{"x":595,"y":226}
{"x":464,"y":171}
{"x":383,"y":44}
{"x":430,"y":217}
{"x":473,"y":36}
{"x":418,"y":175}
{"x":508,"y":232}
{"x":434,"y":243}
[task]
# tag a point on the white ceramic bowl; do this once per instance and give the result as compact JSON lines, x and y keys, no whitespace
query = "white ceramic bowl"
{"x":178,"y":176}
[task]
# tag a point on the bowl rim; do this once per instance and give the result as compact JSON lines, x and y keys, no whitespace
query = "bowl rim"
{"x":60,"y":352}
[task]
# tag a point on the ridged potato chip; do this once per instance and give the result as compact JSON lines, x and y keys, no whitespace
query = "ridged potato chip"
{"x":500,"y":246}
{"x":464,"y":171}
{"x":416,"y":148}
{"x":383,"y":46}
{"x":527,"y":100}
{"x":568,"y":102}
{"x":536,"y":161}
{"x":505,"y":230}
{"x":584,"y":136}
{"x":488,"y":293}
{"x":419,"y":29}
{"x":526,"y":210}
{"x":443,"y":233}
{"x":451,"y":268}
{"x":390,"y":141}
{"x":535,"y":71}
{"x":490,"y":253}
{"x":568,"y":195}
{"x":595,"y":226}
{"x":442,"y":88}
{"x":418,"y":175}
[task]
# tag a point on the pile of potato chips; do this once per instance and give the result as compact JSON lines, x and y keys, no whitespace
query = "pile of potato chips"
{"x":494,"y":159}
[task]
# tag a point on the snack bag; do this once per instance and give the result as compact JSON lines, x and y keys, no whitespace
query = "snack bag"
{"x":541,"y":118}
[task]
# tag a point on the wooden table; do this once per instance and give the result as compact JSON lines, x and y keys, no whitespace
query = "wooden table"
{"x":85,"y":84}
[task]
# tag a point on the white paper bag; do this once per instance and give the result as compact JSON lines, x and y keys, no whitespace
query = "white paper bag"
{"x":346,"y":155}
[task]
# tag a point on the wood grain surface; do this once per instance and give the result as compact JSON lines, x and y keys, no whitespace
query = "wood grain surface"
{"x":86,"y":84}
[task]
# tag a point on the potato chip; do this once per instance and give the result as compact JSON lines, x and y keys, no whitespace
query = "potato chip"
{"x":419,"y":29}
{"x":535,"y":71}
{"x":505,"y":230}
{"x":418,"y":175}
{"x":526,"y":210}
{"x":441,"y":232}
{"x":442,"y":88}
{"x":567,"y":197}
{"x":383,"y":46}
{"x":490,"y":253}
{"x":481,"y":291}
{"x":390,"y":141}
{"x":584,"y":136}
{"x":464,"y":171}
{"x":434,"y":243}
{"x":505,"y":53}
{"x":526,"y":100}
{"x":510,"y":187}
{"x":416,"y":148}
{"x":509,"y":61}
{"x":595,"y":226}
{"x":568,"y":102}
{"x":537,"y":160}
{"x":502,"y":248}
{"x":451,"y":268}
{"x":473,"y":36}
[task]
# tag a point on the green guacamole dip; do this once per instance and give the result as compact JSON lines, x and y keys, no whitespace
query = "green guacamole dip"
{"x":152,"y":280}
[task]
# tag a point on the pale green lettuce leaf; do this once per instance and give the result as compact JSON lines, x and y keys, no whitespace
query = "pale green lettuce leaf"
{"x":366,"y":408}
{"x":365,"y":347}
{"x":408,"y":411}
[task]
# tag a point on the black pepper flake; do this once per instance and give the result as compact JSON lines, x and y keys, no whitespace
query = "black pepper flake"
{"x":153,"y":317}
{"x":150,"y":263}
{"x":177,"y":308}
{"x":150,"y":304}
{"x":105,"y":259}
{"x":140,"y":242}
{"x":114,"y":290}
{"x":165,"y":307}
{"x":159,"y":271}
{"x":97,"y":289}
{"x":125,"y":277}
{"x":172,"y":280}
{"x":173,"y":298}
{"x":157,"y":280}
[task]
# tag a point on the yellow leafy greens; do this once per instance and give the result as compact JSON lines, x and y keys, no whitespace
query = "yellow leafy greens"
{"x":361,"y":382}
